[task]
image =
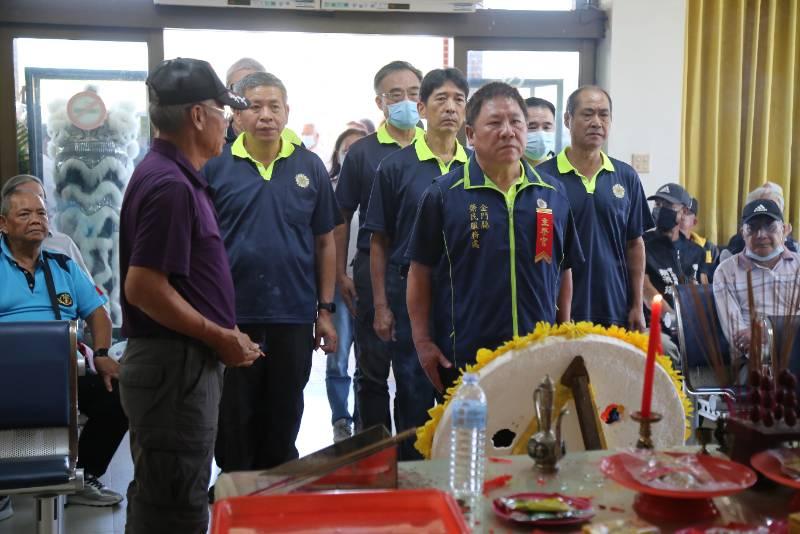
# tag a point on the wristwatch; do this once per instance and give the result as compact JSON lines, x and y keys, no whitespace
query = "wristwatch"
{"x":99,"y":353}
{"x":329,"y":306}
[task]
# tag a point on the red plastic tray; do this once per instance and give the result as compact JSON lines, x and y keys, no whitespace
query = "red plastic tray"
{"x":396,"y":511}
{"x":721,"y":469}
{"x":770,"y":467}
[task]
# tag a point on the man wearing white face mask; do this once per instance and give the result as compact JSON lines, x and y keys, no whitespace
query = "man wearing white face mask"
{"x":774,"y":271}
{"x":397,"y":86}
{"x":541,"y":140}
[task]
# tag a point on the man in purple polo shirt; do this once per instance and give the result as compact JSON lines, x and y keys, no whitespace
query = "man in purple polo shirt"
{"x":177,"y":303}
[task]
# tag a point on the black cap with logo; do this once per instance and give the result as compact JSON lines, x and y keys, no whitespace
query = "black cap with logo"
{"x":761,"y":208}
{"x":186,"y":81}
{"x":673,"y":193}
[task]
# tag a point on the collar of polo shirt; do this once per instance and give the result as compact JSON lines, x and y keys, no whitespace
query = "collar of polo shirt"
{"x":424,"y":153}
{"x":238,"y":150}
{"x":564,"y":166}
{"x":385,"y":138}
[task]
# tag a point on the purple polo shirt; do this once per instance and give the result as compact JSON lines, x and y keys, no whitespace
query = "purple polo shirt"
{"x":168,"y":223}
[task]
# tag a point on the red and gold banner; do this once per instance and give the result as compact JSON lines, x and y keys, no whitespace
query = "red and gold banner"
{"x":544,"y":235}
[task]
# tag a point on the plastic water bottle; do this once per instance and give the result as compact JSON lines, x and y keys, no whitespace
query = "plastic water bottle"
{"x":467,"y":446}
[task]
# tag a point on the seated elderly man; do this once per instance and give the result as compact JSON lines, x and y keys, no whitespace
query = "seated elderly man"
{"x":40,"y":285}
{"x":774,"y":269}
{"x":766,"y":191}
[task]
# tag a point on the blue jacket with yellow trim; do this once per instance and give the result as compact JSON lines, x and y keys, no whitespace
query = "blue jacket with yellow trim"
{"x":488,"y":285}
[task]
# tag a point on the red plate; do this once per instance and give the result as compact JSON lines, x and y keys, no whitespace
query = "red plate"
{"x":360,"y":512}
{"x":722,"y":471}
{"x":770,"y":467}
{"x":577,"y":503}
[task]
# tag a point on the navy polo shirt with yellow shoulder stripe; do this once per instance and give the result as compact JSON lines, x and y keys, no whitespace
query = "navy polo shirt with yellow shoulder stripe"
{"x":25,"y":296}
{"x":401,"y":180}
{"x":269,"y":217}
{"x":358,"y":173}
{"x":610,"y":209}
{"x":488,"y":285}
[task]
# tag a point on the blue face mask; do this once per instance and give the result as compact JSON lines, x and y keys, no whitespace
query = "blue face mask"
{"x":539,"y":144}
{"x":771,"y":256}
{"x":403,"y":114}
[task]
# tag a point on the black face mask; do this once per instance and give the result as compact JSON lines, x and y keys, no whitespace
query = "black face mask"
{"x":666,"y":218}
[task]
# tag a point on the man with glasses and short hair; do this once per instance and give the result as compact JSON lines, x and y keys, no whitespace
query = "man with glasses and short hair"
{"x":401,"y":180}
{"x":276,"y":212}
{"x":397,"y":86}
{"x":177,"y":303}
{"x":773,"y":269}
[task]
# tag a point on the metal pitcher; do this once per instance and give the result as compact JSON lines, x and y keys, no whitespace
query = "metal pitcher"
{"x":545,"y":446}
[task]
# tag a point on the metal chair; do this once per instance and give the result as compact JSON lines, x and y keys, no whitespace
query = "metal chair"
{"x":39,"y":368}
{"x":693,"y":325}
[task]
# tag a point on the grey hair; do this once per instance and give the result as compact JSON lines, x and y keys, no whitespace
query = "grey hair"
{"x":15,"y":181}
{"x":259,"y":79}
{"x":245,"y":63}
{"x":767,"y":191}
{"x":5,"y":204}
{"x":169,"y":119}
{"x":572,"y":101}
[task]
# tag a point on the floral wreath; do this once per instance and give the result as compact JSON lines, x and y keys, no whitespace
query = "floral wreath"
{"x":424,"y":442}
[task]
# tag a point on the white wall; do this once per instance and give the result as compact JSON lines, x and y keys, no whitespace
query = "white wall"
{"x":640,"y":63}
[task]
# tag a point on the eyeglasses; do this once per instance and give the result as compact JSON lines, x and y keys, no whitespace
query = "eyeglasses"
{"x":226,"y":112}
{"x":397,"y":95}
{"x":770,"y":228}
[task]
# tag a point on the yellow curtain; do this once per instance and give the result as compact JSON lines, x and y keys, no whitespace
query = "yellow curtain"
{"x":741,"y":107}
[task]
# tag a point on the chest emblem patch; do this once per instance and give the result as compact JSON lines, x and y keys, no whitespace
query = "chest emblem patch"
{"x":301,"y":180}
{"x":65,"y":299}
{"x":618,"y":191}
{"x":541,"y":203}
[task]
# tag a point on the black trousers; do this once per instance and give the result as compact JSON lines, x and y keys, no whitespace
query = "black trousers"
{"x":105,"y":428}
{"x":170,"y":389}
{"x":262,"y":405}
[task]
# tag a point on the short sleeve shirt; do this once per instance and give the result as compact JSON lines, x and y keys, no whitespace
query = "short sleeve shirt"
{"x":168,"y":224}
{"x":401,"y":179}
{"x":610,"y":209}
{"x":25,"y":296}
{"x":269,"y":217}
{"x":358,"y":172}
{"x":492,"y":280}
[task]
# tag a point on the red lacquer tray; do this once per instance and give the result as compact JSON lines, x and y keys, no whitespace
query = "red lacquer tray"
{"x":770,"y":467}
{"x":580,"y":504}
{"x":665,"y":506}
{"x":428,"y":510}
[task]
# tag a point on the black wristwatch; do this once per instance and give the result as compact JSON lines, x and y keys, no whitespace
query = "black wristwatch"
{"x":99,"y":353}
{"x":329,"y":306}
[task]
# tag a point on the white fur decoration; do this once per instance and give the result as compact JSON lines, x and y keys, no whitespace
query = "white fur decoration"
{"x":88,"y":203}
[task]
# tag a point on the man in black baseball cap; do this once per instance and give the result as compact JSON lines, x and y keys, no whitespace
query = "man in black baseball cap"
{"x":670,"y":257}
{"x":178,"y":308}
{"x":763,"y":275}
{"x":187,"y":81}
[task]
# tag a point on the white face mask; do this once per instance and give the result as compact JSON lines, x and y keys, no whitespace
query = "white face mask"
{"x":777,"y":251}
{"x":308,"y":140}
{"x":341,"y":155}
{"x":539,"y":144}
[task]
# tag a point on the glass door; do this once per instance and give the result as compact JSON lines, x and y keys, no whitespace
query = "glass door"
{"x":82,"y":125}
{"x":530,"y":66}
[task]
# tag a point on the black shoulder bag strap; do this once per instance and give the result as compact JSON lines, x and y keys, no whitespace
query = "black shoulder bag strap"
{"x":51,"y":287}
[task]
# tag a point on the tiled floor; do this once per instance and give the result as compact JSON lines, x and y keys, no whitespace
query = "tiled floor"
{"x":315,"y":433}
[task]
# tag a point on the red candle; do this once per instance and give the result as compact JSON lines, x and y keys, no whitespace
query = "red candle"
{"x":652,"y":347}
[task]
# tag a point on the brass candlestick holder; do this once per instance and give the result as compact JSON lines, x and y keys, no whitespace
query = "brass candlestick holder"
{"x":645,"y":440}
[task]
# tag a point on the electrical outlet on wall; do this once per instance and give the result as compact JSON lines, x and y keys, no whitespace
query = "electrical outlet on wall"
{"x":641,"y":163}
